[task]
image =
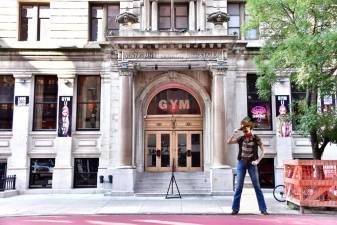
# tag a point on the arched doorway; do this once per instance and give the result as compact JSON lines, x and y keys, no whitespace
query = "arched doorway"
{"x":173,"y":132}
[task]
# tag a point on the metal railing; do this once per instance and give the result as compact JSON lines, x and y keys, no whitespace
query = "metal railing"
{"x":7,"y":183}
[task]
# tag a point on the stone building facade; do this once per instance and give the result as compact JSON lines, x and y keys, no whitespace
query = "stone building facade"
{"x":129,"y":89}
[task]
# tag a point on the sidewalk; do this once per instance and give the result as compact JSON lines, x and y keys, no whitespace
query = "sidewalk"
{"x":98,"y":204}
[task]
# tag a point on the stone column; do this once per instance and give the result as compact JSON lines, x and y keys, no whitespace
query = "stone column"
{"x":154,"y":21}
{"x":105,"y":129}
{"x":126,"y":118}
{"x":18,"y":163}
{"x":124,"y":172}
{"x":218,"y":117}
{"x":63,"y":172}
{"x":192,"y":18}
{"x":147,"y":14}
{"x":202,"y":15}
{"x":221,"y":173}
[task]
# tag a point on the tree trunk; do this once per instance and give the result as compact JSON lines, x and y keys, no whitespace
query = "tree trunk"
{"x":311,"y":98}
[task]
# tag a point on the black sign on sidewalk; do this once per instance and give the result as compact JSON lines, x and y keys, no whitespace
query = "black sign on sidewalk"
{"x":21,"y":100}
{"x":65,"y":115}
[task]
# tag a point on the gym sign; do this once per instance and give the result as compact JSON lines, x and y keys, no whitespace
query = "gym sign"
{"x":173,"y":101}
{"x":174,"y":105}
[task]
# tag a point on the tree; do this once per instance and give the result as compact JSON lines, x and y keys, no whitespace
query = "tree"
{"x":300,"y":39}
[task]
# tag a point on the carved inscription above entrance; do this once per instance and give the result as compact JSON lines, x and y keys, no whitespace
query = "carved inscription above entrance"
{"x":171,"y":54}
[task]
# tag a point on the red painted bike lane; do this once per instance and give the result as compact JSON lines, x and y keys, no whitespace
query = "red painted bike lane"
{"x":171,"y":220}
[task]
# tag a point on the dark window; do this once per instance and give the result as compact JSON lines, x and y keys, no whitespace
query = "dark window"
{"x":34,"y":22}
{"x":164,"y":17}
{"x":88,"y":102}
{"x":6,"y":102}
{"x":103,"y":21}
{"x":253,"y":33}
{"x":41,"y":173}
{"x":173,"y":101}
{"x":234,"y":19}
{"x":266,"y":173}
{"x":85,"y":173}
{"x":3,"y":172}
{"x":180,"y":16}
{"x":297,"y":95}
{"x":113,"y":12}
{"x":45,"y":103}
{"x":258,"y":110}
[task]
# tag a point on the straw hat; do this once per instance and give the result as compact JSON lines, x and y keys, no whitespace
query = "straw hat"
{"x":246,"y":122}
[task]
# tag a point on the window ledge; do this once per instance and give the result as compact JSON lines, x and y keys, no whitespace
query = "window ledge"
{"x":47,"y":134}
{"x":6,"y":133}
{"x":87,"y":133}
{"x":264,"y":132}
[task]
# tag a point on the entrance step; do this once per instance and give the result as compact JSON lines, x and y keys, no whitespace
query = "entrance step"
{"x":189,"y":183}
{"x":247,"y":182}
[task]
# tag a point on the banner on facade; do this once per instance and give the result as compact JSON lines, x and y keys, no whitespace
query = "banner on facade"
{"x":65,"y":115}
{"x":283,"y":120}
{"x":21,"y":100}
{"x":282,"y":104}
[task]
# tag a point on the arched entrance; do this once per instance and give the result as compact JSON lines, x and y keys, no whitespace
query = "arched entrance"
{"x":173,"y":131}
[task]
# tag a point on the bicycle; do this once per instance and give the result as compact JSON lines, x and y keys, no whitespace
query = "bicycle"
{"x":279,"y":193}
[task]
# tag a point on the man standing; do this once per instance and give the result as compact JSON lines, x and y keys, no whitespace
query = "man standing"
{"x":248,"y":158}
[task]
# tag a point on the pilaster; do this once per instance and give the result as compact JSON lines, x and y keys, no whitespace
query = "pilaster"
{"x":18,"y":161}
{"x":63,"y":173}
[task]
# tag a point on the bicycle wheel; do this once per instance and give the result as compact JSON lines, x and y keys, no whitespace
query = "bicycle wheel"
{"x":279,"y":193}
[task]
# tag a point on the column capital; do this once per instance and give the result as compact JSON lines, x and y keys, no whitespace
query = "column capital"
{"x":66,"y":75}
{"x":22,"y":76}
{"x":126,"y":68}
{"x":219,"y":68}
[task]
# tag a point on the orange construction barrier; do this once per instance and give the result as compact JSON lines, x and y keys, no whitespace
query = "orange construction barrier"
{"x":311,"y":182}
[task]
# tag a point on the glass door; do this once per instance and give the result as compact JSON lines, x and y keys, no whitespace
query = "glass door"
{"x":188,"y":155}
{"x":158,"y":148}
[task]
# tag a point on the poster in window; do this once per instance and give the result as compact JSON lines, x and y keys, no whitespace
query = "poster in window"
{"x":65,"y":114}
{"x":328,"y":102}
{"x":21,"y":100}
{"x":283,"y":120}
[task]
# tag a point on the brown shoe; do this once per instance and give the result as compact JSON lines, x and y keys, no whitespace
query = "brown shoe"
{"x":264,"y":213}
{"x":234,"y":212}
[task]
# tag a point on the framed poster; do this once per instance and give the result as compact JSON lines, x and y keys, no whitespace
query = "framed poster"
{"x":327,"y":103}
{"x":282,"y":104}
{"x":65,"y":115}
{"x":283,"y":120}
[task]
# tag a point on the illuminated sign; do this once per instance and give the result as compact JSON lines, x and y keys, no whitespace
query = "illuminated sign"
{"x":259,"y":113}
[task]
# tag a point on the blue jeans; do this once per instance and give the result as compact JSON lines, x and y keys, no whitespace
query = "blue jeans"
{"x":253,"y":173}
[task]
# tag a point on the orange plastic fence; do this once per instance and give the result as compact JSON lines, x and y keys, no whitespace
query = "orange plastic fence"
{"x":311,"y":182}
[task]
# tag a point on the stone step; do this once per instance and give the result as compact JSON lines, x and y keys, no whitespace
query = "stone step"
{"x":175,"y":194}
{"x":158,"y":183}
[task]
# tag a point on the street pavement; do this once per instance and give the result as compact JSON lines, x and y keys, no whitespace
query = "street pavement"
{"x":98,"y":204}
{"x":171,"y":220}
{"x":97,"y":209}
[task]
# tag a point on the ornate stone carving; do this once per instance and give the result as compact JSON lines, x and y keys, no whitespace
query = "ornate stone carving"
{"x":218,"y":18}
{"x":127,"y":18}
{"x":125,"y":68}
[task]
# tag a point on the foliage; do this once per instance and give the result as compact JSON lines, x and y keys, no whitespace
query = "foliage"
{"x":300,"y":38}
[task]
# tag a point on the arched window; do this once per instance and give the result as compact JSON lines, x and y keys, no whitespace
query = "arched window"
{"x":173,"y":101}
